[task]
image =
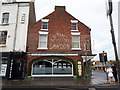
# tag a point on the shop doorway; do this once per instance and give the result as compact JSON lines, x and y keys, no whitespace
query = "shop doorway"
{"x":16,"y":69}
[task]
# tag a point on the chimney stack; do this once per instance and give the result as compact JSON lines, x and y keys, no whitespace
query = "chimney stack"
{"x":32,"y":0}
{"x":60,"y":8}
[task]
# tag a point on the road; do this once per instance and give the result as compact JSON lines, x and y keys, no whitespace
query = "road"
{"x":99,"y":77}
{"x":98,"y":82}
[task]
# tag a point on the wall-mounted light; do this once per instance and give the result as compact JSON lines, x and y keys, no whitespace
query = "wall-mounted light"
{"x":8,"y":35}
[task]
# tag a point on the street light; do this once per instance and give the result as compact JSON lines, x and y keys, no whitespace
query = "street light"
{"x":109,"y":13}
{"x":85,"y":49}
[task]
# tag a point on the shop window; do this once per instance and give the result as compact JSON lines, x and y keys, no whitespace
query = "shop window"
{"x":5,"y":18}
{"x":4,"y":61}
{"x":3,"y":67}
{"x":3,"y":37}
{"x":42,"y":68}
{"x":62,"y":68}
{"x":52,"y":68}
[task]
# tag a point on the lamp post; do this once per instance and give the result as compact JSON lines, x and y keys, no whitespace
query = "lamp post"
{"x":109,"y":13}
{"x":85,"y":49}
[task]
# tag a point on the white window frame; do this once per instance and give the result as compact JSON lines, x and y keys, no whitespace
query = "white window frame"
{"x":5,"y":18}
{"x":76,"y":34}
{"x":44,"y":20}
{"x":43,"y":33}
{"x":6,"y":38}
{"x":75,"y":21}
{"x":52,"y":70}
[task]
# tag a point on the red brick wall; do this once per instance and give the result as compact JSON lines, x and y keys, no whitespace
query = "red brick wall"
{"x":59,"y":36}
{"x":59,"y":28}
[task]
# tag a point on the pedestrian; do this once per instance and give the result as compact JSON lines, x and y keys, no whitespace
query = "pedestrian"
{"x":114,"y":69}
{"x":110,"y":74}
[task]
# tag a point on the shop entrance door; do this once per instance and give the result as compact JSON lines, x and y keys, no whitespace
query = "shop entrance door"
{"x":16,"y":69}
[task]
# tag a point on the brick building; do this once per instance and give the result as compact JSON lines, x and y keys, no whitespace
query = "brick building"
{"x":57,"y":45}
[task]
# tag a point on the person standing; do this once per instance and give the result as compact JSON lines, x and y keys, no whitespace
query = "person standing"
{"x":114,"y":69}
{"x":110,"y":74}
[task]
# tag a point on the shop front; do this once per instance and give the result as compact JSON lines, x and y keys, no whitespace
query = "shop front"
{"x":13,"y":65}
{"x":52,"y":66}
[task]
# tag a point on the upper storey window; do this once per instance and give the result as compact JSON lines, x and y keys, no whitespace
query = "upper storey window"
{"x":5,"y":18}
{"x":76,"y":41}
{"x":74,"y":25}
{"x":3,"y":37}
{"x":44,"y":24}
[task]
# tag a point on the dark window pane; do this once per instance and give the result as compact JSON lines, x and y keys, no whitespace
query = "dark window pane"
{"x":74,"y":26}
{"x":5,"y":18}
{"x":44,"y":25}
{"x":3,"y":37}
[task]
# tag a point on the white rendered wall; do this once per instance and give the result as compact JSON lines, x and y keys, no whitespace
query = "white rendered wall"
{"x":16,"y":29}
{"x":10,"y":28}
{"x":22,"y":28}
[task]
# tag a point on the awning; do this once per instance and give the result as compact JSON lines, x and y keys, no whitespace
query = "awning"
{"x":87,"y":57}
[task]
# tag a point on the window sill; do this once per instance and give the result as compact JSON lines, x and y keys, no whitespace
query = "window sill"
{"x":2,"y":45}
{"x":44,"y":29}
{"x":74,"y":30}
{"x":76,"y":49}
{"x":4,"y":24}
{"x":42,"y":48}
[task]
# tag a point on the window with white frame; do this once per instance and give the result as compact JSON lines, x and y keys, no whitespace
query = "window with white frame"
{"x":74,"y":25}
{"x":5,"y":18}
{"x":43,"y":40}
{"x":52,"y":68}
{"x":44,"y":24}
{"x":3,"y":37}
{"x":75,"y":41}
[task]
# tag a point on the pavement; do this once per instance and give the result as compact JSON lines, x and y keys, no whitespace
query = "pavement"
{"x":98,"y":80}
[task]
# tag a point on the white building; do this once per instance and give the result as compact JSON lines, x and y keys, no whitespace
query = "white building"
{"x":15,"y":19}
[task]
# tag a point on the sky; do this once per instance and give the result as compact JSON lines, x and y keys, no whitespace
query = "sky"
{"x":93,"y":14}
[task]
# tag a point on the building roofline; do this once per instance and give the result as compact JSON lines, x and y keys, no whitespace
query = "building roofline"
{"x":16,"y":2}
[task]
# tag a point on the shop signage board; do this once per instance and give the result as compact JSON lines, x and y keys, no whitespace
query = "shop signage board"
{"x":3,"y":69}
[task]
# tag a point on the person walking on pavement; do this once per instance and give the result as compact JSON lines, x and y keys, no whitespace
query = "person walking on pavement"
{"x":114,"y":69}
{"x":110,"y":74}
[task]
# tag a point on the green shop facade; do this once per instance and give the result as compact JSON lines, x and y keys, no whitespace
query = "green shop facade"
{"x":58,"y":65}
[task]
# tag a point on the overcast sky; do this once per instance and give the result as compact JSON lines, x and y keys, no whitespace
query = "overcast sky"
{"x":90,"y":12}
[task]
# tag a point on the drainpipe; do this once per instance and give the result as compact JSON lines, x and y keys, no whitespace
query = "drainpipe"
{"x":16,"y":29}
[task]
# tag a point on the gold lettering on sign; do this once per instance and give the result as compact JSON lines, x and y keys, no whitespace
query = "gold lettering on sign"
{"x":60,"y":46}
{"x":79,"y":68}
{"x":61,"y":40}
